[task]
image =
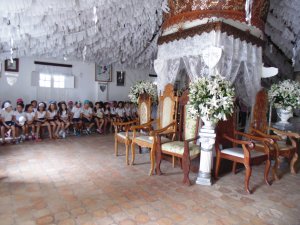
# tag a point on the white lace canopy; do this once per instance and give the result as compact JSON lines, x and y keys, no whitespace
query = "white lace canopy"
{"x":241,"y":62}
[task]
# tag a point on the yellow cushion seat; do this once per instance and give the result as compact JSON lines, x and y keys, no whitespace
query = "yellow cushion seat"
{"x":177,"y":147}
{"x":149,"y":139}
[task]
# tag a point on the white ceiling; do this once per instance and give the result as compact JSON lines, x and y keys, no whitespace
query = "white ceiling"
{"x":125,"y":32}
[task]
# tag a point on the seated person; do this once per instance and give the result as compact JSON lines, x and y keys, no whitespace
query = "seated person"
{"x":63,"y":114}
{"x":53,"y":119}
{"x":30,"y":114}
{"x":120,"y":112}
{"x":99,"y":116}
{"x":41,"y":120}
{"x":127,"y":109}
{"x":7,"y":117}
{"x":19,"y":120}
{"x":87,"y":116}
{"x":76,"y":118}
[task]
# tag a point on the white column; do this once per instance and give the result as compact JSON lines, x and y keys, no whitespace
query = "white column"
{"x":207,"y":140}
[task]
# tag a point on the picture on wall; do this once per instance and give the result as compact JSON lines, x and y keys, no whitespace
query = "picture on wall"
{"x":120,"y":78}
{"x":11,"y":66}
{"x":103,"y":73}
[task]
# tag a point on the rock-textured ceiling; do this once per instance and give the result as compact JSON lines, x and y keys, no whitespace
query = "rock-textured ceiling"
{"x":112,"y":31}
{"x":103,"y":31}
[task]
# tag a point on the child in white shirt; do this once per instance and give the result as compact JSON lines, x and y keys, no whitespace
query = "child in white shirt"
{"x":20,"y":119}
{"x":29,"y":114}
{"x":76,"y":114}
{"x":87,"y":116}
{"x":7,"y":116}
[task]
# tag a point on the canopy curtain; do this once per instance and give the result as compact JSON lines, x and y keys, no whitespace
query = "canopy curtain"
{"x":235,"y":53}
{"x":169,"y":70}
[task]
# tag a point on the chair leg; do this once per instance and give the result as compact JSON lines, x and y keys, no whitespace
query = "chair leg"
{"x":234,"y":167}
{"x":186,"y":162}
{"x":152,"y":160}
{"x":158,"y":155}
{"x":218,"y":163}
{"x":247,"y":178}
{"x":267,"y":169}
{"x":293,"y":162}
{"x":275,"y":168}
{"x":173,"y":161}
{"x":127,"y":152}
{"x":132,"y":153}
{"x":116,"y":146}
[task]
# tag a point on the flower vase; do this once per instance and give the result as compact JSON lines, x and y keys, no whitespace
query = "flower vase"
{"x":208,"y":124}
{"x":284,"y":115}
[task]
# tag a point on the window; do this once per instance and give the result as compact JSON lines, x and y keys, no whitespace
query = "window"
{"x":45,"y":80}
{"x":58,"y":81}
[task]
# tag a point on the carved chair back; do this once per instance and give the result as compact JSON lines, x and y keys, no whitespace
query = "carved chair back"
{"x":188,"y":125}
{"x":259,"y":119}
{"x":144,"y":108}
{"x":168,"y":103}
{"x":225,"y":127}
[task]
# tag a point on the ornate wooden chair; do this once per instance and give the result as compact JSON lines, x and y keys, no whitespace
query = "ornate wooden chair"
{"x":144,"y":113}
{"x":240,"y":151}
{"x":166,"y":124}
{"x":185,"y":148}
{"x":285,"y":143}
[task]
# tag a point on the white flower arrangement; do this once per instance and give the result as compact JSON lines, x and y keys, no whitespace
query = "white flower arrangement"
{"x":285,"y":94}
{"x":212,"y":98}
{"x":141,"y":87}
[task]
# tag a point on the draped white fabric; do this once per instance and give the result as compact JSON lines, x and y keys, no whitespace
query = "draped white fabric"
{"x":170,"y":69}
{"x":239,"y":58}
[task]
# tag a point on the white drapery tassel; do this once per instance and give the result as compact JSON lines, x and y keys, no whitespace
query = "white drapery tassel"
{"x":95,"y":19}
{"x":248,"y":9}
{"x":84,"y":53}
{"x":165,"y":6}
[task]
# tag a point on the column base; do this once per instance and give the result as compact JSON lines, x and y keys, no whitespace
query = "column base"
{"x":204,"y":179}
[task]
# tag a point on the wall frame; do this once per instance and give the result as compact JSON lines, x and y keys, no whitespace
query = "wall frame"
{"x":103,"y":73}
{"x":11,"y":67}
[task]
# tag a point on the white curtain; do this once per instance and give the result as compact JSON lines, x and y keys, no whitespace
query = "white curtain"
{"x":51,"y":93}
{"x":167,"y":71}
{"x":67,"y":71}
{"x":235,"y":53}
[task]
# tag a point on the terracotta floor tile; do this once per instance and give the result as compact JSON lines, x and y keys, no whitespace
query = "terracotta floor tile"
{"x":80,"y":181}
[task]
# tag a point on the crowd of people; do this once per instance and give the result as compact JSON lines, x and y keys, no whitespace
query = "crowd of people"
{"x":60,"y":119}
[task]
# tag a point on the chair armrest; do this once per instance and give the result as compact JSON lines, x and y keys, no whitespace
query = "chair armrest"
{"x":192,"y":139}
{"x":262,"y":134}
{"x":124,"y":123}
{"x":285,"y":133}
{"x":141,"y":126}
{"x":240,"y":142}
{"x":255,"y":138}
{"x":158,"y":131}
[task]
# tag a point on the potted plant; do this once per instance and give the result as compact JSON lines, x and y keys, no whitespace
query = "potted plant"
{"x":212,"y":98}
{"x":285,"y":96}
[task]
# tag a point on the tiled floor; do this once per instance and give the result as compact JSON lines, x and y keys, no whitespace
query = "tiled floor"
{"x":80,"y":181}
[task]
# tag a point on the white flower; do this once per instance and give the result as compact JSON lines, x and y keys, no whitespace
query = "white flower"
{"x":142,"y":87}
{"x":212,"y":97}
{"x":285,"y":94}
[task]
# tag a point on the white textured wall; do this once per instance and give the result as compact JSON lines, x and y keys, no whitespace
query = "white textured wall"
{"x":85,"y":85}
{"x":131,"y":76}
